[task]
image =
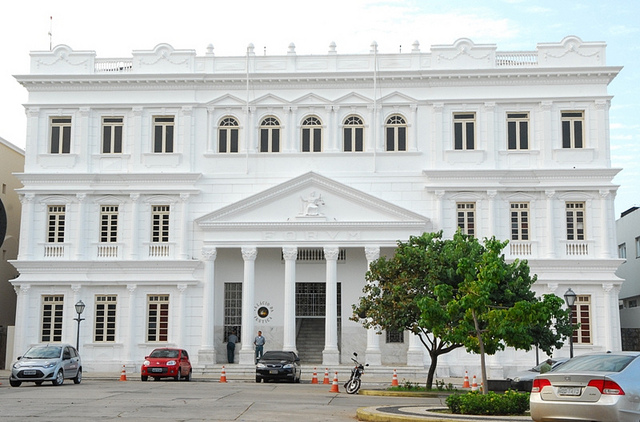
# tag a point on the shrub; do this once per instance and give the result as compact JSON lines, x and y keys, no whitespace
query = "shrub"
{"x":475,"y":403}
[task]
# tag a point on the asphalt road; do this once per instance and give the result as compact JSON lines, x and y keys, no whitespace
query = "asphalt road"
{"x":133,"y":400}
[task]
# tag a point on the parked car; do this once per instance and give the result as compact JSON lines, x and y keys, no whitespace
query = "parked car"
{"x":594,"y":387}
{"x":275,"y":365}
{"x":47,"y":362}
{"x":167,"y":362}
{"x":523,"y":381}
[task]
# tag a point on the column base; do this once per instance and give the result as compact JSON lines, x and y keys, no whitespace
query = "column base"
{"x":330,"y":357}
{"x":415,"y":358}
{"x":373,"y":357}
{"x":247,"y":357}
{"x":206,"y":357}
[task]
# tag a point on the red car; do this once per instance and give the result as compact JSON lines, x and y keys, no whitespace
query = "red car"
{"x":167,"y":362}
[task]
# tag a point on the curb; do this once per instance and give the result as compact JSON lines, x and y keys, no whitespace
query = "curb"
{"x":430,"y":414}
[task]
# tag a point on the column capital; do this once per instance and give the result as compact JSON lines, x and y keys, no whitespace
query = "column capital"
{"x":75,"y":288}
{"x":132,"y":287}
{"x":249,"y":253}
{"x":290,"y":253}
{"x":209,"y":253}
{"x":550,"y":193}
{"x":331,"y":253}
{"x":181,"y":288}
{"x":372,"y":252}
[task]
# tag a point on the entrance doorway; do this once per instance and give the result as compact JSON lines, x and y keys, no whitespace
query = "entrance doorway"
{"x":310,"y":320}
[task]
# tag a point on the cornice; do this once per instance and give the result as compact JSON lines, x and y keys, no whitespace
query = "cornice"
{"x":104,"y":179}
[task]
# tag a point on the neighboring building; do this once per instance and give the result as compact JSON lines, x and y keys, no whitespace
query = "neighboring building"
{"x":182,"y":197}
{"x":11,"y":161}
{"x":628,"y":235}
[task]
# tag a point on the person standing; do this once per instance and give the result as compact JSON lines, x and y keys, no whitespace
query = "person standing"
{"x":231,"y":346}
{"x":546,"y":366}
{"x":258,"y":342}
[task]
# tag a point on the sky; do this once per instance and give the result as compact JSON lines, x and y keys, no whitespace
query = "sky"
{"x":116,"y":28}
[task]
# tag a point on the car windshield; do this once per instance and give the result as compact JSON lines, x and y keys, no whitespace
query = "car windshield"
{"x":164,"y":353}
{"x":598,"y":363}
{"x":277,"y":356}
{"x":43,"y":352}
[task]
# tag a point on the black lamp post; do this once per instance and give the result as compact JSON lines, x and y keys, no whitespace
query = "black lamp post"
{"x":79,"y":309}
{"x":570,"y":298}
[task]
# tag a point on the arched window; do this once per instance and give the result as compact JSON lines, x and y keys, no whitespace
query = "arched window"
{"x":353,"y":134}
{"x":228,"y":135}
{"x":311,"y":135}
{"x":396,"y":131}
{"x":270,"y":135}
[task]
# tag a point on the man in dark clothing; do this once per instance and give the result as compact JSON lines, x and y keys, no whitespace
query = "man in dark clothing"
{"x":231,"y":346}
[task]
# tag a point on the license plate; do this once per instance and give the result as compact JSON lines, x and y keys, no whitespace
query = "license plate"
{"x":30,"y":372}
{"x":156,"y":369}
{"x":569,"y":391}
{"x":273,"y":371}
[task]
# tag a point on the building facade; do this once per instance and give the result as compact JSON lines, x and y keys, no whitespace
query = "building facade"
{"x":183,"y":197}
{"x":628,"y":235}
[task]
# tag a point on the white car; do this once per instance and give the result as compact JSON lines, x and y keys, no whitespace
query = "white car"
{"x":47,"y":362}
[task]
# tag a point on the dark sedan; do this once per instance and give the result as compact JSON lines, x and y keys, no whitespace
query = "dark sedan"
{"x":278,"y":366}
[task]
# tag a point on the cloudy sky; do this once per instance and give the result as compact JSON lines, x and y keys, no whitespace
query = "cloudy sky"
{"x":116,"y":28}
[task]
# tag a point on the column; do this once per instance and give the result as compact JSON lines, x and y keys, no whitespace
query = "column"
{"x":134,"y":245}
{"x":182,"y":313}
{"x":186,"y":114}
{"x":80,"y":227}
{"x":212,"y":133}
{"x":330,"y":354}
{"x":332,"y":129}
{"x":373,"y":355}
{"x":83,"y":135}
{"x":207,"y":352}
{"x":22,"y":340}
{"x":612,"y":340}
{"x":26,"y":229}
{"x":415,"y":352}
{"x":491,"y":218}
{"x":132,"y":341}
{"x":184,"y":229}
{"x":247,"y":356}
{"x":136,"y":143}
{"x":607,"y":225}
{"x":439,"y":211}
{"x":412,"y":141}
{"x":290,"y":254}
{"x":550,"y":232}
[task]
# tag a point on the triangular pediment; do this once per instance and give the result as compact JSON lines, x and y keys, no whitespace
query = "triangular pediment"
{"x":312,"y":202}
{"x":269,"y":100}
{"x":397,"y":98}
{"x":353,"y":98}
{"x":312,"y":100}
{"x":227,"y":100}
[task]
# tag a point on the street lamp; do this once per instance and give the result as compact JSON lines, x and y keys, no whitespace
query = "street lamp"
{"x":79,"y":309}
{"x":570,"y":298}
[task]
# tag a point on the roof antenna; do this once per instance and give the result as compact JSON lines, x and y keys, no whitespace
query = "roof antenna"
{"x":50,"y":33}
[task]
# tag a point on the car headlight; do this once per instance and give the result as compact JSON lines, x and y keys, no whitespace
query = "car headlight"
{"x":171,"y":362}
{"x":261,"y":365}
{"x":517,"y":379}
{"x":146,"y":363}
{"x":287,"y":366}
{"x":17,"y":365}
{"x":49,"y":364}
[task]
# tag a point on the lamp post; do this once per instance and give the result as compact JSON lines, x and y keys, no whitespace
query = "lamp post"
{"x":79,"y":309}
{"x":570,"y":298}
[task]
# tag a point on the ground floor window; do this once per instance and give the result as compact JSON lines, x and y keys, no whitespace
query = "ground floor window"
{"x":105,"y":319}
{"x":581,"y":313}
{"x":157,"y":318}
{"x":395,"y":336}
{"x":52,"y":308}
{"x":232,"y":310}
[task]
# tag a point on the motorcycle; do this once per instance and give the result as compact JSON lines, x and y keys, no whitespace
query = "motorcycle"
{"x":353,"y":385}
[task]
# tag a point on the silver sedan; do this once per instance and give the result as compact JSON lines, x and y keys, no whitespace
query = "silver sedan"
{"x":601,"y":387}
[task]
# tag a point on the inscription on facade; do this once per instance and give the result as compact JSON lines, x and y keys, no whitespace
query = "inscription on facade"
{"x":310,"y":235}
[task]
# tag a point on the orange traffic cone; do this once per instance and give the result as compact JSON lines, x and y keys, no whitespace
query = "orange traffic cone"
{"x":474,"y":385}
{"x":394,"y":379}
{"x":334,"y":386}
{"x":466,"y":384}
{"x":223,"y":376}
{"x":314,"y":380}
{"x":326,"y":376}
{"x":123,"y":374}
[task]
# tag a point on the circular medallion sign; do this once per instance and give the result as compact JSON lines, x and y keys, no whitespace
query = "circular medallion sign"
{"x":263,"y":311}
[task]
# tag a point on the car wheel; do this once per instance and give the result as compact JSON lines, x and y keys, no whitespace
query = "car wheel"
{"x":78,"y":377}
{"x":15,"y":383}
{"x":258,"y":379}
{"x":38,"y":382}
{"x":144,"y":377}
{"x":179,"y":376}
{"x":188,"y":377}
{"x":59,"y":380}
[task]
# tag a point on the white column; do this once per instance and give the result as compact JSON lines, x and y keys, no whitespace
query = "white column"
{"x":134,"y":246}
{"x":373,"y":355}
{"x":26,"y":228}
{"x":290,"y":254}
{"x":550,"y":243}
{"x":246,"y":354}
{"x":182,"y":314}
{"x":212,"y":133}
{"x":184,"y":223}
{"x":611,"y":325}
{"x":131,"y":340}
{"x":22,"y":340}
{"x":415,"y":352}
{"x":330,"y":354}
{"x":412,"y":139}
{"x":207,"y":352}
{"x":439,"y":211}
{"x":80,"y":227}
{"x":607,"y":225}
{"x":491,"y":218}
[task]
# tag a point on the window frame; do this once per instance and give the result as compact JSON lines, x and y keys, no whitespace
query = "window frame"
{"x":464,"y":131}
{"x":518,"y":124}
{"x":269,"y":139}
{"x":396,"y":133}
{"x":52,"y":324}
{"x":60,"y":137}
{"x":520,"y":218}
{"x":109,"y":223}
{"x":394,"y":337}
{"x":112,"y":134}
{"x":56,"y":218}
{"x":232,"y":309}
{"x":164,"y":129}
{"x":228,"y":135}
{"x":463,"y":222}
{"x":637,"y":247}
{"x":581,"y":312}
{"x":575,"y":221}
{"x":105,"y":318}
{"x":622,"y":250}
{"x":158,"y":315}
{"x":572,"y":129}
{"x":311,"y":134}
{"x":353,"y":134}
{"x":160,"y":223}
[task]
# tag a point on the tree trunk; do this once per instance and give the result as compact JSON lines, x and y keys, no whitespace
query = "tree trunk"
{"x":483,"y":368}
{"x":432,"y":368}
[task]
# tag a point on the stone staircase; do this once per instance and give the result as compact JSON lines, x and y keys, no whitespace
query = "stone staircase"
{"x":310,"y":340}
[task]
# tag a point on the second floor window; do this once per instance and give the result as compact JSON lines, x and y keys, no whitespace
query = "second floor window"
{"x":622,"y":251}
{"x":108,"y":224}
{"x":572,"y":129}
{"x":637,"y":247}
{"x":60,"y":135}
{"x":519,"y":221}
{"x":311,"y":135}
{"x":270,"y":135}
{"x":112,"y":135}
{"x":55,"y":225}
{"x":160,"y":223}
{"x":575,"y":213}
{"x":396,"y":133}
{"x":518,"y":131}
{"x":163,"y":128}
{"x":464,"y":131}
{"x":228,"y":135}
{"x":353,"y":134}
{"x":466,"y":217}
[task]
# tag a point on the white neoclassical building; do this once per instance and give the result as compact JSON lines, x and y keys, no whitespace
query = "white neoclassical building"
{"x":182,"y":196}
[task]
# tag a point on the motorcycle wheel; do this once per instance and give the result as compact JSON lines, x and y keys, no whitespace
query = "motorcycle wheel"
{"x":353,"y":386}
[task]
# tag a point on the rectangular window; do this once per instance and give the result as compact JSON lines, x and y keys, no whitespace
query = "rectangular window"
{"x":467,"y":217}
{"x":518,"y":131}
{"x":108,"y":224}
{"x":581,"y":313}
{"x":52,"y":309}
{"x":520,"y":221}
{"x":575,"y":221}
{"x":270,"y":140}
{"x":227,"y":140}
{"x":55,"y":229}
{"x":232,"y":309}
{"x":157,"y":318}
{"x":572,"y":129}
{"x":163,"y":128}
{"x":393,"y":336}
{"x":112,"y":135}
{"x":60,"y":135}
{"x":622,"y":250}
{"x":105,"y":319}
{"x":160,"y":223}
{"x":464,"y":131}
{"x":353,"y":139}
{"x":637,"y":247}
